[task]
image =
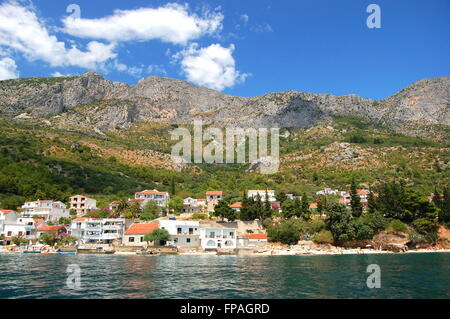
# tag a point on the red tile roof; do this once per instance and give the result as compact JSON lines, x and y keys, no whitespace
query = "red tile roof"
{"x":51,"y":228}
{"x":236,"y":205}
{"x":313,"y":206}
{"x":142,"y":228}
{"x":257,"y":236}
{"x":79,"y":219}
{"x":137,"y":200}
{"x":6,"y":211}
{"x":214,"y":193}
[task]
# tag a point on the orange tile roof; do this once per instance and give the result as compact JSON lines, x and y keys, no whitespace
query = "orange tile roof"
{"x":6,"y":211}
{"x":362,"y":191}
{"x":114,"y":203}
{"x":142,"y":228}
{"x":214,"y":193}
{"x":236,"y":205}
{"x":137,"y":200}
{"x":201,"y":200}
{"x":79,"y":219}
{"x":51,"y":228}
{"x":313,"y":205}
{"x":257,"y":236}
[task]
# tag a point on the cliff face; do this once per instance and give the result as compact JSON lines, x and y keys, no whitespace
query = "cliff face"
{"x":90,"y":100}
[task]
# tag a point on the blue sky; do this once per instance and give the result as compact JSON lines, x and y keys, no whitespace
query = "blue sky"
{"x":242,"y":48}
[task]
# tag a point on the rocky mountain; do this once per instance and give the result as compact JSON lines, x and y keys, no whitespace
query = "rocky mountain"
{"x":90,"y":100}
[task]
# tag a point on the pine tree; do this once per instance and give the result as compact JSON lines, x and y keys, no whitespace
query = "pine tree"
{"x":371,"y":203}
{"x":172,"y":187}
{"x":355,"y":203}
{"x":267,"y":207}
{"x":444,"y":215}
{"x":305,"y":207}
{"x":258,"y":208}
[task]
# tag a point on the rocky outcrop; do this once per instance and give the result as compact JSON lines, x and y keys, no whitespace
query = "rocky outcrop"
{"x":178,"y":102}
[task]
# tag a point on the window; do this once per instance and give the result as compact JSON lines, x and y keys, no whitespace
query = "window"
{"x":9,"y":234}
{"x":179,"y":230}
{"x":20,"y":233}
{"x":142,"y":239}
{"x":191,"y":231}
{"x":188,"y":240}
{"x":131,"y":240}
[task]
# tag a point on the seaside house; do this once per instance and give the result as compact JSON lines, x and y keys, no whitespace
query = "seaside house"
{"x":47,"y":209}
{"x":192,"y":205}
{"x":236,"y":206}
{"x":215,"y":235}
{"x":7,"y":217}
{"x":262,"y":193}
{"x":183,"y":234}
{"x":161,"y":198}
{"x":58,"y":230}
{"x":82,"y":204}
{"x":113,"y":205}
{"x":134,"y":235}
{"x":98,"y":230}
{"x":212,"y":199}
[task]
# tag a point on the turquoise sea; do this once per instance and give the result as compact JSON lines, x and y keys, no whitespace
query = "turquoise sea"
{"x":280,"y":277}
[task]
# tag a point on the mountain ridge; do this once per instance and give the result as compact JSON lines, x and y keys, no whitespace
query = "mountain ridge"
{"x":179,"y":102}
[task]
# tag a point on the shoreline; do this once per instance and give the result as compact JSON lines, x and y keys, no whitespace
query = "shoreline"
{"x":272,"y":253}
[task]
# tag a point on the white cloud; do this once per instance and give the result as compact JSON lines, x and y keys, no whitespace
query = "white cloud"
{"x":8,"y":69}
{"x":172,"y":23}
{"x":139,"y":71}
{"x":21,"y":30}
{"x":213,"y":66}
{"x":244,"y":17}
{"x":59,"y":74}
{"x":262,"y":28}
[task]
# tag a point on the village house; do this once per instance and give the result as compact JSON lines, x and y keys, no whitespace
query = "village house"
{"x":262,"y":193}
{"x":215,"y":235}
{"x":161,"y":198}
{"x":192,"y":205}
{"x":329,"y":191}
{"x":182,"y":233}
{"x":236,"y":206}
{"x":7,"y":217}
{"x":113,"y":205}
{"x":58,"y":230}
{"x":212,"y":199}
{"x":47,"y":209}
{"x":12,"y":225}
{"x":98,"y":230}
{"x":82,"y":204}
{"x":134,"y":235}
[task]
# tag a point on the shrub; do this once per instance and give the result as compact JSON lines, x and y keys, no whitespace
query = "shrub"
{"x":424,"y":226}
{"x":199,"y":216}
{"x":324,"y":237}
{"x":397,"y":226}
{"x":285,"y":233}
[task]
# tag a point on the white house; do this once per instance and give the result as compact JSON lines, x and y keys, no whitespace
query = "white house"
{"x":7,"y":217}
{"x":104,"y":230}
{"x":182,"y":233}
{"x":236,"y":206}
{"x":47,"y":209}
{"x":82,"y":204}
{"x":218,"y":235}
{"x":262,"y":193}
{"x":192,"y":205}
{"x":161,"y":198}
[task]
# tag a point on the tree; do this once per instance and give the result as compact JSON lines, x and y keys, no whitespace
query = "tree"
{"x":355,"y":203}
{"x":444,"y":214}
{"x":158,"y":235}
{"x":286,"y":233}
{"x":281,"y":197}
{"x":267,"y":208}
{"x":258,"y":208}
{"x":48,"y":238}
{"x":371,"y":203}
{"x":321,"y":203}
{"x":291,"y":208}
{"x":19,"y":239}
{"x":224,"y":211}
{"x":305,"y":213}
{"x":176,"y":204}
{"x":247,"y":209}
{"x":151,"y":211}
{"x":122,"y":207}
{"x":65,"y":221}
{"x":172,"y":187}
{"x":339,"y":222}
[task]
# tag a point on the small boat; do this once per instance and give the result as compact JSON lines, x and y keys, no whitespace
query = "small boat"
{"x":31,"y":251}
{"x":67,"y":251}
